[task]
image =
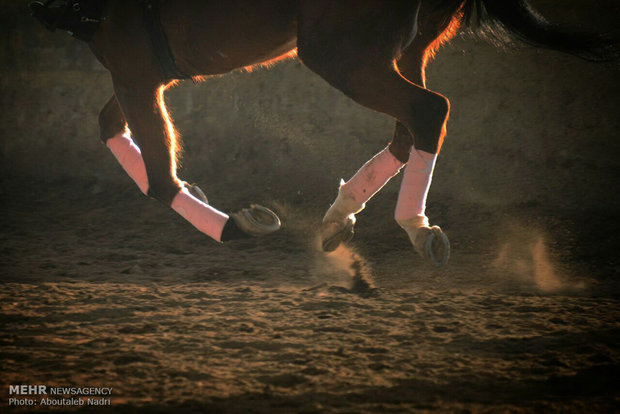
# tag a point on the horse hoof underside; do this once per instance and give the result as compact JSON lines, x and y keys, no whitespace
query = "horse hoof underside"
{"x":433,"y":244}
{"x":341,"y":234}
{"x":257,"y":220}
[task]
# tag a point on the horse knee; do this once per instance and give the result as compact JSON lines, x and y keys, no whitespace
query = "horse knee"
{"x":111,"y":120}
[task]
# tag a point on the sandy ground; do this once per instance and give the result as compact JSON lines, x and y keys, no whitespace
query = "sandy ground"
{"x":103,"y":287}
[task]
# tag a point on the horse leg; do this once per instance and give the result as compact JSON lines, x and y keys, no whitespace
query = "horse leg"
{"x":363,"y":68}
{"x":338,"y":222}
{"x":114,"y":134}
{"x":429,"y":242}
{"x":111,"y":120}
{"x":152,"y":164}
{"x":420,"y":155}
{"x":147,"y":150}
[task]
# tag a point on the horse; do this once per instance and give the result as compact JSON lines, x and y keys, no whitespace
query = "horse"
{"x":373,"y":51}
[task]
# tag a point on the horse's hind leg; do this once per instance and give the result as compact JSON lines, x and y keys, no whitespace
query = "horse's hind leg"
{"x":420,"y":157}
{"x":373,"y":175}
{"x":437,"y":27}
{"x":355,"y":51}
{"x":337,"y":47}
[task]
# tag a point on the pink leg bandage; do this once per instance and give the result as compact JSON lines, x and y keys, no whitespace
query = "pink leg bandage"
{"x":414,"y":187}
{"x":130,"y":158}
{"x":202,"y":216}
{"x":372,"y":176}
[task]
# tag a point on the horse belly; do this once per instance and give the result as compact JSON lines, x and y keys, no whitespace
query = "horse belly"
{"x":213,"y":37}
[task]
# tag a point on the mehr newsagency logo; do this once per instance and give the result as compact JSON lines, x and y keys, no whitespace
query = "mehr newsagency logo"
{"x":44,"y":395}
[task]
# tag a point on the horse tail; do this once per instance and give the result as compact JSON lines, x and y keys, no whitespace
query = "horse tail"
{"x":503,"y":21}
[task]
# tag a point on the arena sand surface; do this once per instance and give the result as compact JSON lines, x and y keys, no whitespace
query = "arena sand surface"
{"x":102,"y":287}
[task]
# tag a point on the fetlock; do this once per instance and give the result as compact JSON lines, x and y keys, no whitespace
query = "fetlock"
{"x":345,"y":206}
{"x":338,"y":222}
{"x":429,"y":242}
{"x":417,"y":229}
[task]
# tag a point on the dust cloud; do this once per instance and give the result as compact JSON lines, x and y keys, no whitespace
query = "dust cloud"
{"x":344,"y":267}
{"x":525,"y":256}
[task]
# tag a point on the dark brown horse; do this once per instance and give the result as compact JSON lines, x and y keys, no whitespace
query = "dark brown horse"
{"x":374,"y":51}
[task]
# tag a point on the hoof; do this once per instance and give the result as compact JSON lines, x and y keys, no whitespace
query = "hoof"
{"x":433,"y":244}
{"x":334,"y":233}
{"x":257,"y":220}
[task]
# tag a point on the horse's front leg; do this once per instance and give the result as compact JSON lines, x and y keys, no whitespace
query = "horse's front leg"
{"x":150,"y":161}
{"x":114,"y":133}
{"x":150,"y":139}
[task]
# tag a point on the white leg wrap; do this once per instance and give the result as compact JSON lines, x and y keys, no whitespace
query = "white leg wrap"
{"x":352,"y":197}
{"x":345,"y":206}
{"x":202,"y":216}
{"x":337,"y":226}
{"x":130,"y":158}
{"x":411,"y":204}
{"x":372,"y":176}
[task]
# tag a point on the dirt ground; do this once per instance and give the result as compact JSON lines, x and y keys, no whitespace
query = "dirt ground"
{"x":102,"y":287}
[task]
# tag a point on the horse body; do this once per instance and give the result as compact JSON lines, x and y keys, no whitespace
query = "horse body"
{"x":206,"y":38}
{"x":375,"y":52}
{"x":211,"y":37}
